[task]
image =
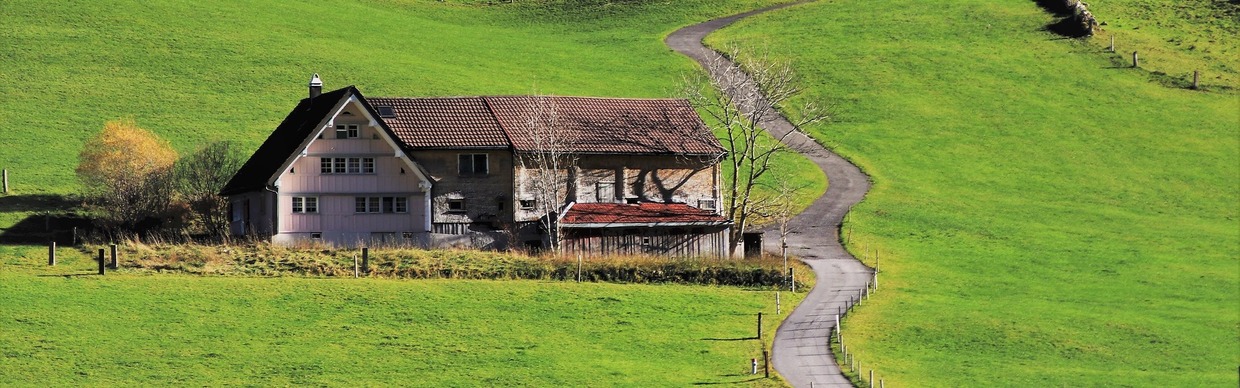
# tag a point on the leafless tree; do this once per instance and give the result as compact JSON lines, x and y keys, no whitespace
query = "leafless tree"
{"x":547,"y":163}
{"x":740,"y":101}
{"x":199,"y":178}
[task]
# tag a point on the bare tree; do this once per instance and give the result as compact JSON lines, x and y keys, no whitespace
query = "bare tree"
{"x":740,"y":101}
{"x":547,"y":163}
{"x":199,"y":178}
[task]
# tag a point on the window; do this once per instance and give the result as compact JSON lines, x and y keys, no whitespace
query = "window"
{"x":380,"y":205}
{"x":347,"y":165}
{"x":355,"y":165}
{"x":527,"y":204}
{"x":386,"y":111}
{"x":305,"y":204}
{"x":606,"y":191}
{"x":347,"y":131}
{"x":472,"y":164}
{"x":706,"y":204}
{"x":456,"y":205}
{"x":316,"y":235}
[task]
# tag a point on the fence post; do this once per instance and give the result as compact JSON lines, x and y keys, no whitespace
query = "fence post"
{"x":766,"y":364}
{"x":51,"y":253}
{"x":753,"y":366}
{"x":1195,"y":77}
{"x":778,"y":309}
{"x":759,"y":325}
{"x":1135,"y":61}
{"x":579,"y":270}
{"x":366,"y":260}
{"x":115,"y":265}
{"x":101,"y":262}
{"x":792,"y":280}
{"x":871,"y":378}
{"x":6,"y":181}
{"x":1112,"y":48}
{"x":74,"y":236}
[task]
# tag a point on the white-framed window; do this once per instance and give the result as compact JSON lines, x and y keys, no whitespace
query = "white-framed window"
{"x":472,"y":164}
{"x":347,"y":165}
{"x":347,"y":131}
{"x":305,"y":204}
{"x":527,"y":204}
{"x":456,"y":205}
{"x":706,"y":204}
{"x":380,"y":204}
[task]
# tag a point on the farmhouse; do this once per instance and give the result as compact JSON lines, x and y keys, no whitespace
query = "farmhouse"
{"x":597,"y":175}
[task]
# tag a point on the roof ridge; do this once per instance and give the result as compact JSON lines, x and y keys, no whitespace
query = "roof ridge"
{"x":530,"y":95}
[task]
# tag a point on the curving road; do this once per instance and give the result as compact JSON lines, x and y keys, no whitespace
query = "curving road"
{"x":801,"y":353}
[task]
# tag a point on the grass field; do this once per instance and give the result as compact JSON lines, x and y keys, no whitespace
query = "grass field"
{"x":195,"y":72}
{"x":63,"y":326}
{"x":1045,"y":216}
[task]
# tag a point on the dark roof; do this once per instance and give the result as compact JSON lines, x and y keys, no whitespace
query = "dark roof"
{"x":608,"y":125}
{"x":618,"y":214}
{"x":284,"y":141}
{"x":593,"y":125}
{"x":443,"y":122}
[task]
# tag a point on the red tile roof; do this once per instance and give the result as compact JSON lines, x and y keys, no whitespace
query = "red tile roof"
{"x":617,"y":214}
{"x":443,"y":122}
{"x":593,"y":125}
{"x":609,"y":125}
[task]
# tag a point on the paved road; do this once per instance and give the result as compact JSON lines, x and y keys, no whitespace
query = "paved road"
{"x":800,"y":351}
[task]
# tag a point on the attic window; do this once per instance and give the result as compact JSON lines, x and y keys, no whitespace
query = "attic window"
{"x":386,"y":111}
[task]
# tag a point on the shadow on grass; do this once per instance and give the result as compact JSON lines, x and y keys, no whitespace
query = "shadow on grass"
{"x":70,"y":275}
{"x":53,"y":219}
{"x":728,"y":382}
{"x":730,"y":339}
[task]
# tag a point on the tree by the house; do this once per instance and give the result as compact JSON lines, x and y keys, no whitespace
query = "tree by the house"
{"x":126,"y":172}
{"x":547,"y":167}
{"x":200,"y":176}
{"x":739,"y":103}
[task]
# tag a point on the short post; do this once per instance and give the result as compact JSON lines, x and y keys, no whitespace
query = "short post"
{"x":778,"y":309}
{"x":6,"y":181}
{"x":1135,"y":61}
{"x":880,"y":381}
{"x":753,"y":366}
{"x":101,"y":262}
{"x":871,"y":378}
{"x":74,"y":236}
{"x":878,"y":263}
{"x":51,"y":253}
{"x":1196,"y":76}
{"x":792,"y":280}
{"x":1112,"y":48}
{"x":766,"y":364}
{"x":114,"y":264}
{"x":579,"y":269}
{"x":356,"y":267}
{"x":875,"y":281}
{"x":365,"y":260}
{"x":837,"y":324}
{"x":759,"y":325}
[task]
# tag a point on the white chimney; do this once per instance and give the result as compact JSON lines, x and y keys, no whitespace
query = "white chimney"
{"x":316,"y":86}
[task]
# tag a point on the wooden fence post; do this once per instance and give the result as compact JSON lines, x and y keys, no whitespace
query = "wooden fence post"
{"x":6,"y":181}
{"x":51,"y":253}
{"x":871,"y":378}
{"x":1196,"y":75}
{"x":356,"y":267}
{"x":759,"y":325}
{"x":766,"y":364}
{"x":792,"y":280}
{"x":366,"y":260}
{"x":1112,"y":48}
{"x":1135,"y":61}
{"x":101,"y":262}
{"x":115,"y":265}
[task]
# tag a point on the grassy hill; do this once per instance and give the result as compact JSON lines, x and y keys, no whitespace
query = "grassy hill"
{"x":1045,"y":215}
{"x":195,"y":72}
{"x":128,"y":328}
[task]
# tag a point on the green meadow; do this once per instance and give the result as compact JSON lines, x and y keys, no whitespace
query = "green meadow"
{"x":1045,"y":214}
{"x":195,"y":72}
{"x":65,"y":326}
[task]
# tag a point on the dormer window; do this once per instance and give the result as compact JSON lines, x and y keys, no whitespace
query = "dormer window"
{"x":347,"y":131}
{"x":386,"y":111}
